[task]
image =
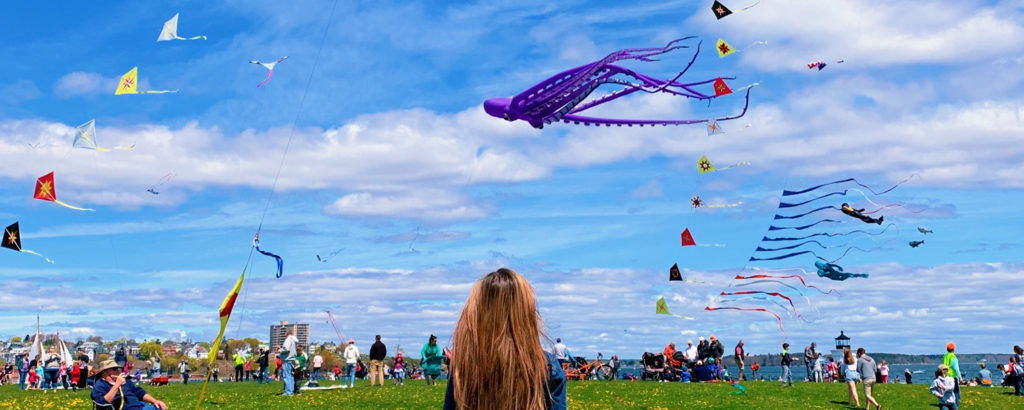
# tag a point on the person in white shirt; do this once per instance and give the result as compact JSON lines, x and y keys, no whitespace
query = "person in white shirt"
{"x":690,"y":353}
{"x":943,"y":387}
{"x":288,"y":350}
{"x":351,"y":357}
{"x":560,"y":352}
{"x":318,"y":361}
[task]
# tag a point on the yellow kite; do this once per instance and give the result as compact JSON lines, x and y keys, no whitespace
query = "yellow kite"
{"x":129,"y":82}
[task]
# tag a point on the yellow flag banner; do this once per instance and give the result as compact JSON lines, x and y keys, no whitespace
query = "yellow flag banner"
{"x":225,"y":314}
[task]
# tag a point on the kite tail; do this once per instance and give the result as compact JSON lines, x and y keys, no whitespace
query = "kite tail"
{"x":125,"y":148}
{"x":777,"y":317}
{"x":800,"y":278}
{"x":750,"y":6}
{"x":101,"y":149}
{"x":157,"y":92}
{"x":738,"y":164}
{"x":830,"y":235}
{"x":270,"y":74}
{"x":280,"y":262}
{"x":37,"y":254}
{"x":725,"y":205}
{"x":790,"y":205}
{"x":61,"y":203}
{"x":800,"y":228}
{"x":854,"y":180}
{"x":739,"y":388}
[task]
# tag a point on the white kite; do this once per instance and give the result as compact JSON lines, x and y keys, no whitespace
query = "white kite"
{"x":170,"y":31}
{"x":268,"y":66}
{"x":85,"y":137}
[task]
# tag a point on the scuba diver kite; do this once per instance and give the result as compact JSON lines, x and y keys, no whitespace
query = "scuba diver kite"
{"x":857,"y":213}
{"x":835,"y":272}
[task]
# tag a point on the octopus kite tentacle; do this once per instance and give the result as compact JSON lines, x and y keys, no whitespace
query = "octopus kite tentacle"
{"x":560,"y":97}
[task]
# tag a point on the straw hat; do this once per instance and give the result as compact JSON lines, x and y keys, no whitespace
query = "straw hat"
{"x":107,"y":365}
{"x":943,"y":367}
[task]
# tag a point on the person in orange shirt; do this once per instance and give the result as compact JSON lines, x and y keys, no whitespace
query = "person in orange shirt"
{"x":670,"y":351}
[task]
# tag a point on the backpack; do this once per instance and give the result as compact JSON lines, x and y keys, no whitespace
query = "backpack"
{"x":1018,"y":370}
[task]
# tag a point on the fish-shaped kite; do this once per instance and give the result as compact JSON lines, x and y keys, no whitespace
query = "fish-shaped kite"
{"x":85,"y":137}
{"x":46,"y":190}
{"x":12,"y":240}
{"x":922,"y":229}
{"x":170,"y":31}
{"x":914,"y":244}
{"x":129,"y":84}
{"x":268,"y":66}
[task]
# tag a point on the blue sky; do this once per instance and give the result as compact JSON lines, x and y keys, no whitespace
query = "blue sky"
{"x":394,"y":162}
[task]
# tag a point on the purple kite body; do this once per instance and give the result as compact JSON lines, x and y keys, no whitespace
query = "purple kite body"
{"x":560,"y":97}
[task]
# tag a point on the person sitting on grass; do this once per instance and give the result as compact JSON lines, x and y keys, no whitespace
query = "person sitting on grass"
{"x":500,"y":322}
{"x":114,"y":391}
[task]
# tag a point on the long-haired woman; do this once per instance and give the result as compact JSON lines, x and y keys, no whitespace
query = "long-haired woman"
{"x":498,"y":360}
{"x":852,"y":376}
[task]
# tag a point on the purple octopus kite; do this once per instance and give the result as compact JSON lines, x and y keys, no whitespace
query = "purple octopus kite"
{"x":559,"y":98}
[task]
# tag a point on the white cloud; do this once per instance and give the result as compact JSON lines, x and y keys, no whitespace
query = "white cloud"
{"x":429,"y":204}
{"x":650,"y":189}
{"x":81,"y":83}
{"x":872,"y":33}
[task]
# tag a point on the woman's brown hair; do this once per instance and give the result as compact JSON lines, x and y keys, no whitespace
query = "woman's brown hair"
{"x":848,"y":356}
{"x":498,"y":360}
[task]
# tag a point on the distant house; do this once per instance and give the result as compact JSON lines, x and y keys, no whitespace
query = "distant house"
{"x":169,"y":350}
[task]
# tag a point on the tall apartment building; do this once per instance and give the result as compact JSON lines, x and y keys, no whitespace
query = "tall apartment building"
{"x":278,"y":332}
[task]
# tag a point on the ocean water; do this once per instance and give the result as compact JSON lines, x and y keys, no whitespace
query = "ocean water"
{"x":922,"y":373}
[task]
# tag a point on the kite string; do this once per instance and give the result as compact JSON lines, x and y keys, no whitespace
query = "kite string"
{"x":291,"y":134}
{"x":298,"y":113}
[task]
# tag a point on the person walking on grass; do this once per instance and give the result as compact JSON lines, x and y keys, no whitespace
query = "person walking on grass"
{"x":318,"y":363}
{"x":950,"y":360}
{"x":399,"y":371}
{"x":377,"y":354}
{"x":866,"y":367}
{"x":848,"y":371}
{"x":787,"y":360}
{"x":942,"y":388}
{"x":184,"y":371}
{"x":739,"y":358}
{"x":351,"y":358}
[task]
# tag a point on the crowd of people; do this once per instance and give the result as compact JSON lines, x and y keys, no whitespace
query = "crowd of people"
{"x":500,"y":321}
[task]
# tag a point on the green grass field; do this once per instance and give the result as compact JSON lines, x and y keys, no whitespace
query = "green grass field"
{"x":585,"y":395}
